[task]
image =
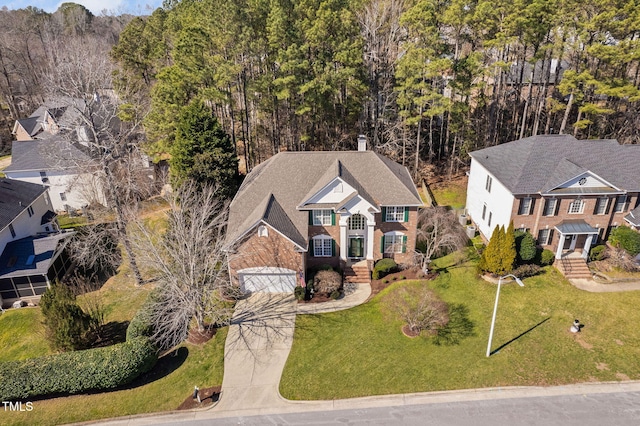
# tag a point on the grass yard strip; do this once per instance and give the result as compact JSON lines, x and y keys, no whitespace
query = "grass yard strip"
{"x":22,"y":334}
{"x":172,"y":381}
{"x":362,"y":352}
{"x":453,"y":195}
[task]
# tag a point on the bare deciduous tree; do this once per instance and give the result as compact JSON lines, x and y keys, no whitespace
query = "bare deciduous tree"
{"x":188,"y":263}
{"x":419,"y":307}
{"x":438,"y":231}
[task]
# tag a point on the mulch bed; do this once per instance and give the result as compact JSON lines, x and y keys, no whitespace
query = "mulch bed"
{"x":407,"y":331}
{"x":409,"y":274}
{"x":199,"y":337}
{"x":208,"y":396}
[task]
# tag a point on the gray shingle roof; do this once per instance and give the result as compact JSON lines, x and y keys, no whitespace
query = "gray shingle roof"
{"x":42,"y":247}
{"x":274,"y":189}
{"x":633,"y":217}
{"x":55,"y":153}
{"x":541,"y":163}
{"x":15,"y":197}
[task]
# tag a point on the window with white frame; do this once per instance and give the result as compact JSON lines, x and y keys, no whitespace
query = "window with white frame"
{"x":322,"y":217}
{"x":322,"y":246}
{"x":621,"y":204}
{"x":395,"y":214}
{"x":550,"y":206}
{"x":395,"y":242}
{"x":356,"y":222}
{"x":601,"y":205}
{"x":576,"y":206}
{"x":488,"y":183}
{"x":63,"y":196}
{"x":545,"y":236}
{"x":13,"y":231}
{"x":43,"y":177}
{"x":526,"y":205}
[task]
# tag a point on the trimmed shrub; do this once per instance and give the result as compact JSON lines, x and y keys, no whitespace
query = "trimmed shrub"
{"x":597,"y":253}
{"x":625,"y":238}
{"x":528,"y":270}
{"x":299,"y":293}
{"x":525,"y":246}
{"x":547,"y":257}
{"x":76,"y":372}
{"x":383,"y":268}
{"x":327,"y":281}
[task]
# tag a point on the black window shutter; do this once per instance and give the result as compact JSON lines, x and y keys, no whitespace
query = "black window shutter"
{"x":384,"y":214}
{"x":310,"y":217}
{"x":311,"y":248}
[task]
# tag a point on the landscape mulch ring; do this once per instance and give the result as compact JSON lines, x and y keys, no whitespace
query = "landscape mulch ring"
{"x":207,"y":397}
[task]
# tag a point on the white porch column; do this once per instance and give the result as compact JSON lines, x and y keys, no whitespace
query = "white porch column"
{"x":343,"y":241}
{"x":370,"y":240}
{"x":560,"y":245}
{"x":587,"y":247}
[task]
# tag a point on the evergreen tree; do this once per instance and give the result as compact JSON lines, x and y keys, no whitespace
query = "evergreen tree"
{"x":66,"y":323}
{"x":525,"y":246}
{"x":203,"y":152}
{"x":508,"y":250}
{"x":491,"y":255}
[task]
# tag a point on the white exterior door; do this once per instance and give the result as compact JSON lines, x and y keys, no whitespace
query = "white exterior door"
{"x":267,"y":280}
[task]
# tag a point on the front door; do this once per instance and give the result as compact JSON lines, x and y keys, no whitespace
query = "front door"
{"x":356,"y":247}
{"x":569,"y":242}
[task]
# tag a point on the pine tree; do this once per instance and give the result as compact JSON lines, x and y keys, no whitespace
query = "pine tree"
{"x":491,"y":256}
{"x":203,"y":152}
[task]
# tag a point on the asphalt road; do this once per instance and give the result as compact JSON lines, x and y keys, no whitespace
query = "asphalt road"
{"x":619,"y":409}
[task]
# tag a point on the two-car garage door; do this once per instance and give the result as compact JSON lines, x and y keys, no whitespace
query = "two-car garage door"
{"x":267,"y":280}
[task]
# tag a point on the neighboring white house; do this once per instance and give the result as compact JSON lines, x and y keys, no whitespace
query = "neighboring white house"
{"x":59,"y":165}
{"x":31,"y":244}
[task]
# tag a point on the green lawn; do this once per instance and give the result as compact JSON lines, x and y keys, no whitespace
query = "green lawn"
{"x":453,"y":195}
{"x":360,"y":352}
{"x":22,"y":334}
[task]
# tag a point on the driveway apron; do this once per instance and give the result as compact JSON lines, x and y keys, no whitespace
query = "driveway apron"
{"x":256,"y":349}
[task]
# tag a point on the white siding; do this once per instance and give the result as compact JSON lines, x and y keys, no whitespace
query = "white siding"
{"x":329,"y":195}
{"x":24,"y":225}
{"x":79,"y":190}
{"x":499,"y":201}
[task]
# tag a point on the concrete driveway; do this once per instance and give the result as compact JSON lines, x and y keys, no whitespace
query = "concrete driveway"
{"x":256,"y":349}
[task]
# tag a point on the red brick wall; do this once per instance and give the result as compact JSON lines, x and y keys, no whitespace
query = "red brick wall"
{"x":334,"y":232}
{"x":273,"y":250}
{"x":536,"y":221}
{"x":408,"y":228}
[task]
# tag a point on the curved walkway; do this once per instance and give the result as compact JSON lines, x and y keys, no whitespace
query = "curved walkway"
{"x":596,"y":287}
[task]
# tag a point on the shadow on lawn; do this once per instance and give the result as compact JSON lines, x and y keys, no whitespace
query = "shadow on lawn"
{"x":519,"y":336}
{"x":458,"y":327}
{"x":166,"y":365}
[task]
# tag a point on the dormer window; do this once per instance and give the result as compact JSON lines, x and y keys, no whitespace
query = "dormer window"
{"x":263,"y":231}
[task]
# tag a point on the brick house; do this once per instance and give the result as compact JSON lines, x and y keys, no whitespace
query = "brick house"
{"x":567,"y":193}
{"x":298,"y":210}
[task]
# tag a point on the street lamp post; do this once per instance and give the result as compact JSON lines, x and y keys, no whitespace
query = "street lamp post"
{"x":495,"y":308}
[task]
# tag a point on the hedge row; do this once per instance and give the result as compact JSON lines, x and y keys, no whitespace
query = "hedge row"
{"x":75,"y":372}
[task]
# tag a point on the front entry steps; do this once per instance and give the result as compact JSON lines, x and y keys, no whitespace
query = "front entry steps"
{"x":357,"y":273}
{"x":573,"y":268}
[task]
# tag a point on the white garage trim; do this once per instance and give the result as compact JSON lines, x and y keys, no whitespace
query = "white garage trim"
{"x":267,"y":280}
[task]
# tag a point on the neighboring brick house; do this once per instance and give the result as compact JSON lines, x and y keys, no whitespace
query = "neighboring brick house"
{"x":31,"y":245}
{"x":298,"y":210}
{"x":567,"y":193}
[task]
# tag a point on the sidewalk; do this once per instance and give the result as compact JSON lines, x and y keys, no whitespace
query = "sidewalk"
{"x":596,"y":287}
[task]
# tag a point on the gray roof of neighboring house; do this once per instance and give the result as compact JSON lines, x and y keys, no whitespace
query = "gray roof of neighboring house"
{"x":15,"y":197}
{"x":633,"y":217}
{"x":41,"y":247}
{"x":274,"y":189}
{"x":541,"y":163}
{"x":55,"y":153}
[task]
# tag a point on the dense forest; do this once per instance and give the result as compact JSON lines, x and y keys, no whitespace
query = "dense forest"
{"x":427,"y":81}
{"x":33,"y":44}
